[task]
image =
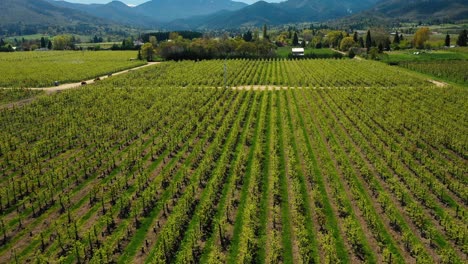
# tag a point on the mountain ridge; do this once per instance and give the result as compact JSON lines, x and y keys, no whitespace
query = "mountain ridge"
{"x":224,"y":14}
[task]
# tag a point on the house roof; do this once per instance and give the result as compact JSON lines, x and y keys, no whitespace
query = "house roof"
{"x":298,"y":50}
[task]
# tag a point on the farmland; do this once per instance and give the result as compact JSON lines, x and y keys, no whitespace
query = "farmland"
{"x":42,"y":69}
{"x":340,"y":161}
{"x":13,"y":95}
{"x":455,"y":71}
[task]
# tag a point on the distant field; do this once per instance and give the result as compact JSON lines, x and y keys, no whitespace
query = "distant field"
{"x":102,"y":45}
{"x":275,"y":72}
{"x":41,"y":69}
{"x":355,"y":162}
{"x":422,"y":55}
{"x":455,"y":71}
{"x":285,"y":52}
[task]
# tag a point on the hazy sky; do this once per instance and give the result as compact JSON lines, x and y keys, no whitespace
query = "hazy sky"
{"x":136,"y":2}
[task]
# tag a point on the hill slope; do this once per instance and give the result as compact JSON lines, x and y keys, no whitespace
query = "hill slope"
{"x":389,"y":12}
{"x":256,"y":14}
{"x":167,"y":10}
{"x":33,"y":12}
{"x":325,"y":9}
{"x":423,"y":9}
{"x":114,"y":11}
{"x":291,"y":11}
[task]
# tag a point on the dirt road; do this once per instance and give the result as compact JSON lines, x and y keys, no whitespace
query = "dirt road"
{"x":67,"y":86}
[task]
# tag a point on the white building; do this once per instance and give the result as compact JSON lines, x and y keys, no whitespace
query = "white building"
{"x":298,"y":51}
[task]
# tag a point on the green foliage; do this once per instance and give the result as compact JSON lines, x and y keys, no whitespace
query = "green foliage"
{"x":147,"y":51}
{"x":454,"y":71}
{"x":295,"y":41}
{"x":42,"y":69}
{"x":63,"y":42}
{"x":447,"y":41}
{"x":12,"y":95}
{"x":462,"y":40}
{"x":347,"y":43}
{"x":421,"y":36}
{"x":138,"y":169}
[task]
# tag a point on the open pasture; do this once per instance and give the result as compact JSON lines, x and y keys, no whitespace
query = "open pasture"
{"x":352,"y":162}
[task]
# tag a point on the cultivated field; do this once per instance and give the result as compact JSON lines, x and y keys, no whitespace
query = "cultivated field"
{"x":42,"y":69}
{"x":342,"y":161}
{"x":14,"y":95}
{"x":455,"y":71}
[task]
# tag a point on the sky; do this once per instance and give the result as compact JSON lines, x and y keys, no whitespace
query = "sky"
{"x":137,"y":2}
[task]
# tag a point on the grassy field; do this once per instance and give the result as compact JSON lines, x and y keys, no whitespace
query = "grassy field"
{"x":285,"y":52}
{"x":450,"y":70}
{"x":42,"y":69}
{"x":351,"y":162}
{"x":423,"y":55}
{"x":102,"y":45}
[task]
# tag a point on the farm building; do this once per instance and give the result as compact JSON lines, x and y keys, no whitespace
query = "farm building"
{"x":298,"y":51}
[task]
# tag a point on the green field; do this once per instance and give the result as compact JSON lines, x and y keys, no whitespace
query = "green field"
{"x":13,"y":95}
{"x":102,"y":45}
{"x":423,"y":55}
{"x":454,"y":71}
{"x":42,"y":69}
{"x":322,"y":161}
{"x":285,"y":52}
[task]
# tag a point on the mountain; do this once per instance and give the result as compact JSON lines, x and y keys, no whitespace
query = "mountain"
{"x":319,"y":10}
{"x":392,"y":12}
{"x":40,"y":12}
{"x":260,"y":13}
{"x":256,"y":14}
{"x":114,"y":11}
{"x":167,"y":10}
{"x":423,"y":9}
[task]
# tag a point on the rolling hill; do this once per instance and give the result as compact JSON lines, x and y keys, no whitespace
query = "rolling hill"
{"x":423,"y":9}
{"x":391,"y":12}
{"x":291,"y":11}
{"x":33,"y":12}
{"x":114,"y":11}
{"x":256,"y":14}
{"x":167,"y":10}
{"x":222,"y":14}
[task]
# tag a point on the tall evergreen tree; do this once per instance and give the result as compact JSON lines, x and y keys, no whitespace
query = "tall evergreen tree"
{"x":396,"y":39}
{"x":43,"y":42}
{"x":248,"y":36}
{"x":361,"y":42}
{"x":387,"y":44}
{"x":355,"y":37}
{"x":295,"y":39}
{"x":265,"y":32}
{"x":49,"y":45}
{"x":447,"y":40}
{"x":462,"y":39}
{"x":368,"y":40}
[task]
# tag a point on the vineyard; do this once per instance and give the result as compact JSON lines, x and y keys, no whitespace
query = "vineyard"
{"x":42,"y":69}
{"x":352,"y":162}
{"x":273,"y":72}
{"x":455,"y":71}
{"x":13,"y":95}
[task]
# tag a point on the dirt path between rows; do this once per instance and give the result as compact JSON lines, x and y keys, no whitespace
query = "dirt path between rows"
{"x":438,"y":84}
{"x":67,"y":86}
{"x":346,"y":55}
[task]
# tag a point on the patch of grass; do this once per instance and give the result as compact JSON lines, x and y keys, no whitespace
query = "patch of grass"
{"x":285,"y":52}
